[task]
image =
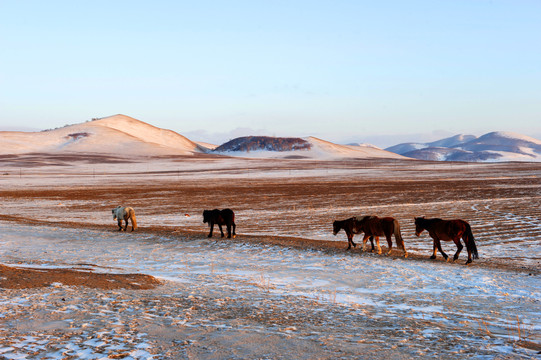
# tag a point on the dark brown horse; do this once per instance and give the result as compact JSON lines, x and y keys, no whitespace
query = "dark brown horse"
{"x":220,"y":217}
{"x":448,"y":230}
{"x":350,"y":227}
{"x":373,"y":226}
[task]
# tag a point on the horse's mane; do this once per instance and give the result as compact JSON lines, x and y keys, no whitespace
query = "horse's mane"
{"x":364,"y":218}
{"x":431,"y":220}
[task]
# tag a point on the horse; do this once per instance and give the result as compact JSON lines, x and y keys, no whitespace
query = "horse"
{"x":448,"y":230}
{"x":124,"y":213}
{"x":220,"y":217}
{"x":373,"y":226}
{"x":350,"y":228}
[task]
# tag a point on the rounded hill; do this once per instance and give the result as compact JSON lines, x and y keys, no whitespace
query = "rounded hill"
{"x":117,"y":135}
{"x":265,"y":143}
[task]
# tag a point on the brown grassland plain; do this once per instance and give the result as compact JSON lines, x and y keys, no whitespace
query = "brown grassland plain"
{"x":289,"y":203}
{"x":297,"y":207}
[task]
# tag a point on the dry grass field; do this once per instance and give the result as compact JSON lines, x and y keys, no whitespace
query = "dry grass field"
{"x":299,"y":199}
{"x":279,"y":204}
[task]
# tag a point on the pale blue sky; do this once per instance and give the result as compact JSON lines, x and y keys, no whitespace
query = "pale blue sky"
{"x":367,"y":71}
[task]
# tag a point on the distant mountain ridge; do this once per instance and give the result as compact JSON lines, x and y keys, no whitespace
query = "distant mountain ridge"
{"x":494,"y":146}
{"x":123,"y":136}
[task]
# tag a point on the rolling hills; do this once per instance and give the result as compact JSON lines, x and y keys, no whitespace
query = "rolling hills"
{"x":493,"y":146}
{"x":123,"y":136}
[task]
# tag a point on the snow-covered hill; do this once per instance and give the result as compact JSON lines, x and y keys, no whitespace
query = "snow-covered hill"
{"x":452,"y":141}
{"x":443,"y":143}
{"x":123,"y":136}
{"x":300,"y":148}
{"x":118,"y":135}
{"x":255,"y":143}
{"x":494,"y":146}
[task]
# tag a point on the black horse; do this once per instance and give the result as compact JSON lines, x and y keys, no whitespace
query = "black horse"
{"x":220,"y":217}
{"x":351,"y":228}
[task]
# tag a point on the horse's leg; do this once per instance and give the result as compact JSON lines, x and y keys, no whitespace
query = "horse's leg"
{"x":350,"y":235}
{"x":469,"y":257}
{"x":438,"y":244}
{"x":365,"y":238}
{"x":372,"y":242}
{"x":228,"y":226}
{"x":234,"y":230}
{"x":467,"y":248}
{"x":458,"y":248}
{"x":389,"y":243}
{"x":350,"y":240}
{"x":211,"y":229}
{"x":379,"y":247}
{"x":221,"y":230}
{"x":434,"y":248}
{"x":119,"y":225}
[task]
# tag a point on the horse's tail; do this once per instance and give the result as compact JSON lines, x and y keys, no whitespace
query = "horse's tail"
{"x":470,"y":241}
{"x":398,"y":235}
{"x":133,"y":219}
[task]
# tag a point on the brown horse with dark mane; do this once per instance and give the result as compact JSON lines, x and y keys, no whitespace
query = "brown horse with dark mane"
{"x":350,"y":227}
{"x":448,"y":230}
{"x":372,"y":227}
{"x":220,"y":217}
{"x":376,"y":227}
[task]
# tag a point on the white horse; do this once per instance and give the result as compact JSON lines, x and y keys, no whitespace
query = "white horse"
{"x":124,"y":213}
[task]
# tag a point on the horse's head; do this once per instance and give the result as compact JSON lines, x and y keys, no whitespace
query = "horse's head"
{"x":206,"y":216}
{"x":336,"y":227}
{"x":419,"y":228}
{"x":114,"y":212}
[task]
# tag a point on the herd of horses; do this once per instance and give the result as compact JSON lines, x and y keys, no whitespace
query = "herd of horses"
{"x":438,"y":229}
{"x":372,"y":227}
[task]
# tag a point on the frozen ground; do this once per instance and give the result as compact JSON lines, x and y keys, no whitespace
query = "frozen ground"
{"x":321,"y":302}
{"x":223,"y":299}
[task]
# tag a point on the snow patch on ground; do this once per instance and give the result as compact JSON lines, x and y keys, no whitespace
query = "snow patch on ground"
{"x":441,"y":299}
